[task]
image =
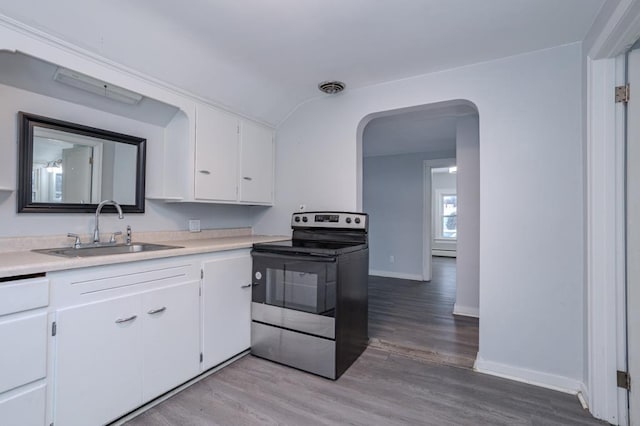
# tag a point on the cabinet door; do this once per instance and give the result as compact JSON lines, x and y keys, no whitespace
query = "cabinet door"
{"x":226,"y":304}
{"x":256,"y":163}
{"x":216,"y":162}
{"x":23,"y":357}
{"x":171,"y":341}
{"x":24,"y":408}
{"x":98,"y":364}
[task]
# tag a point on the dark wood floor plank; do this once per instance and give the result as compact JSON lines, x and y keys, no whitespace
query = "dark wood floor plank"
{"x":418,"y":316}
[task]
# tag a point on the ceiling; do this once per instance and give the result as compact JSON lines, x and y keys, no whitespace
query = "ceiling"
{"x":264,"y":58}
{"x":429,"y":130}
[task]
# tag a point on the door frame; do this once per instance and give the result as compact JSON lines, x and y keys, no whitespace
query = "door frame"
{"x":427,"y":212}
{"x":610,"y":37}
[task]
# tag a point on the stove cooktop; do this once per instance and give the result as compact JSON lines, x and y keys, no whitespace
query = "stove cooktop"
{"x":325,"y":248}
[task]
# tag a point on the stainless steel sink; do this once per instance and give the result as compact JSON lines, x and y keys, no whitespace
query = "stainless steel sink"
{"x":104,"y":250}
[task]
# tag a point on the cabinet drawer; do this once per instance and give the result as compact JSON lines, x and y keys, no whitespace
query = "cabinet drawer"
{"x":25,"y":408}
{"x":24,"y":350}
{"x":22,"y":295}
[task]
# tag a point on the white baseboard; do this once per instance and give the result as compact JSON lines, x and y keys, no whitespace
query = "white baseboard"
{"x":532,"y":377}
{"x":583,"y":396}
{"x":400,"y":275}
{"x":466,"y":311}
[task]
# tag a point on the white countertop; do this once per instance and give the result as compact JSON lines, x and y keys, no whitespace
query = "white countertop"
{"x":25,"y":262}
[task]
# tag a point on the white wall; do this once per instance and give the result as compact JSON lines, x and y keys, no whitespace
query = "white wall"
{"x":531,"y":263}
{"x":158,"y":215}
{"x":468,"y":246}
{"x":393,"y":196}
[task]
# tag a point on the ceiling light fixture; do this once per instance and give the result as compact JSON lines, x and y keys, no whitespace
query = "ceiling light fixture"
{"x":331,"y":87}
{"x":453,"y":169}
{"x":95,"y":86}
{"x":54,"y":166}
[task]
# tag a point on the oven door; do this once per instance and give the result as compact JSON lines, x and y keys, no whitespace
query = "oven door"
{"x":300,"y":282}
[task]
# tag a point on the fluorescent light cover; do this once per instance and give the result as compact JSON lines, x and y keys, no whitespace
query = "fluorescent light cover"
{"x":95,"y":86}
{"x":453,"y":169}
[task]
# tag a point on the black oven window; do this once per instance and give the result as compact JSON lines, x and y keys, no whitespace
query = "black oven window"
{"x":312,"y":290}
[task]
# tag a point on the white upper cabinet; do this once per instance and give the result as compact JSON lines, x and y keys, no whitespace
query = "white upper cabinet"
{"x":256,"y":163}
{"x":228,"y":159}
{"x":216,"y":162}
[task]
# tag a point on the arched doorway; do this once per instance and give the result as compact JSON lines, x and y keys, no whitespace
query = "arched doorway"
{"x":408,"y":309}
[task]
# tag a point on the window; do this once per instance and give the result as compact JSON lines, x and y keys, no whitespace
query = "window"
{"x":447,"y":219}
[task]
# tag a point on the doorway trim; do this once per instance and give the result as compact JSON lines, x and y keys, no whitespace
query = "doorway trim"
{"x":611,"y":36}
{"x":427,"y":212}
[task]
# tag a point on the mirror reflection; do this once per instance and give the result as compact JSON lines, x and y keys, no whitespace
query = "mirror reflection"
{"x":68,"y":167}
{"x":71,"y":168}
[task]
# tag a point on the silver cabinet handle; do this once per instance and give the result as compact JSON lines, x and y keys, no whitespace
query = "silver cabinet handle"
{"x":157,"y":311}
{"x":247,"y":178}
{"x":204,"y":172}
{"x":121,"y":320}
{"x":246,"y":286}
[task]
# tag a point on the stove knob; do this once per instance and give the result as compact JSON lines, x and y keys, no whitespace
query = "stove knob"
{"x":357,"y":220}
{"x":297,"y":218}
{"x":348,"y":220}
{"x":305,"y":219}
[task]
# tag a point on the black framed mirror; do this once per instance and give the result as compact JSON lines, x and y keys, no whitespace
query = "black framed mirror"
{"x":66,"y":167}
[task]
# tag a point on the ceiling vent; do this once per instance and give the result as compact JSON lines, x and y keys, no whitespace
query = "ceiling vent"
{"x":331,"y":87}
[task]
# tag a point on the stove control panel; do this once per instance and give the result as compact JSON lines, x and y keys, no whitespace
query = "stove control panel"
{"x":344,"y":220}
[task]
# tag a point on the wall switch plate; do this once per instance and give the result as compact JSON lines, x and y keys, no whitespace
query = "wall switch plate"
{"x":194,"y":225}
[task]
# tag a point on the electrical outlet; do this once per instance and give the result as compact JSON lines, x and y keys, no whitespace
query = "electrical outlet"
{"x":302,"y":207}
{"x":194,"y":225}
{"x":392,"y":259}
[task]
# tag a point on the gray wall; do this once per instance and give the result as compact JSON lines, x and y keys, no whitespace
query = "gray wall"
{"x":468,"y":246}
{"x":393,"y":195}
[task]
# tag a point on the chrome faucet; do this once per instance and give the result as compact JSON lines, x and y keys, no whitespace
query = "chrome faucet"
{"x":96,"y":230}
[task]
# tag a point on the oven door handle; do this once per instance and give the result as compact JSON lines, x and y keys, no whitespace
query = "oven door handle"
{"x":299,"y":257}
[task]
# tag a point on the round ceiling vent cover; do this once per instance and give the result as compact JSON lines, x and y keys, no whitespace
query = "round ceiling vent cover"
{"x":331,"y":87}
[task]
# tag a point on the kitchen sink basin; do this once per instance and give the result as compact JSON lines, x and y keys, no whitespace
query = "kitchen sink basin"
{"x":104,"y":250}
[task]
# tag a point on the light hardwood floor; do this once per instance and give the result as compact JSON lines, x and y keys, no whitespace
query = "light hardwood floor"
{"x":410,"y":375}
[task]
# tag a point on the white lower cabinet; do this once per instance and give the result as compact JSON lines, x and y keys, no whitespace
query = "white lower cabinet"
{"x":135,"y":337}
{"x":226,"y":307}
{"x":170,"y":338}
{"x":125,"y":334}
{"x":24,"y":407}
{"x":98,"y":361}
{"x":23,"y":351}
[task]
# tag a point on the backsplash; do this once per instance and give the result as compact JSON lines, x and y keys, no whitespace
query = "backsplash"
{"x":9,"y":244}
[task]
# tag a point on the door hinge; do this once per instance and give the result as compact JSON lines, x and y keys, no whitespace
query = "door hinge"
{"x":54,"y":329}
{"x":623,"y":93}
{"x":200,"y":291}
{"x":201,"y":274}
{"x":201,"y":357}
{"x":624,"y":380}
